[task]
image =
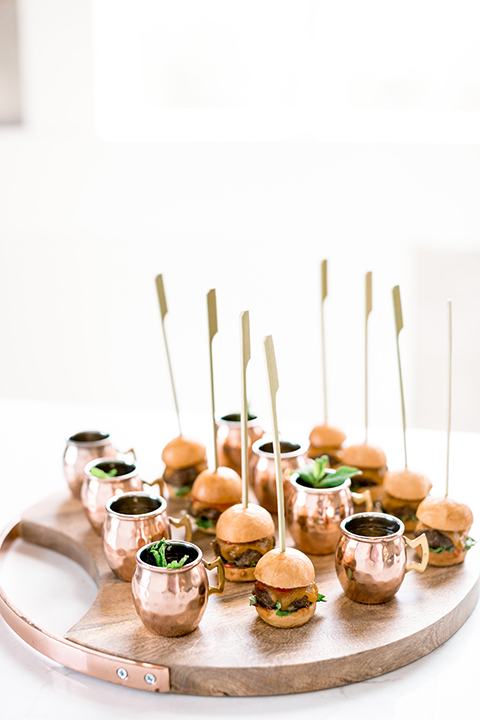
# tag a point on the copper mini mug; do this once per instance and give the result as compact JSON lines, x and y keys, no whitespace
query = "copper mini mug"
{"x":133,"y":520}
{"x":314,"y":514}
{"x":229,"y":441}
{"x":80,"y":449}
{"x":293,"y":456}
{"x":371,"y":557}
{"x":172,"y":601}
{"x":96,"y":491}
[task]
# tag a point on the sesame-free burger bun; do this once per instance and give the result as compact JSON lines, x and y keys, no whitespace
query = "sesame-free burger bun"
{"x":294,"y":619}
{"x":241,"y":524}
{"x":406,"y":485}
{"x":326,"y":436}
{"x":217,"y":488}
{"x":240,"y":574}
{"x":445,"y":514}
{"x":288,"y":569}
{"x":364,"y":456}
{"x":182,"y":452}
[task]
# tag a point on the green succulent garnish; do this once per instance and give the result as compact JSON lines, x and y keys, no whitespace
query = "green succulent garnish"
{"x":204,"y":523}
{"x":99,"y":473}
{"x":318,"y":476}
{"x":158,"y":552}
{"x":180,"y":492}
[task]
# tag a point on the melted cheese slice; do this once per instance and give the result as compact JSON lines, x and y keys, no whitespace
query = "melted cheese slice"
{"x":286,"y":597}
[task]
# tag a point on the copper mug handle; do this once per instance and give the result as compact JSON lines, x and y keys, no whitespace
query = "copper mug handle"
{"x":128,"y":452}
{"x":360,"y":498}
{"x":217,"y":563}
{"x":186,"y":522}
{"x":423,"y":542}
{"x":161,"y":484}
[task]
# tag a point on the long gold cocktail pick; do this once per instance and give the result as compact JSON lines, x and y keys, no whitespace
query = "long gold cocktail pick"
{"x":273,"y":387}
{"x":245,"y":358}
{"x":163,"y":311}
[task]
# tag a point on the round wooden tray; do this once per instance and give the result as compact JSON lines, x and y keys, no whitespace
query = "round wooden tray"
{"x":233,"y":652}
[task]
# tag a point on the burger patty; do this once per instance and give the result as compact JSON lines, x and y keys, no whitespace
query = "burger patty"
{"x":183,"y":477}
{"x":435,"y":539}
{"x":206,"y":513}
{"x":243,"y":554}
{"x":405,"y":512}
{"x":269,"y":597}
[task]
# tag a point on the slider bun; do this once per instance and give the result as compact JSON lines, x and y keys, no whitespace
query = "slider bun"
{"x":443,"y":559}
{"x":217,"y":488}
{"x":406,"y":485}
{"x":327,"y":436}
{"x":445,"y":514}
{"x":244,"y":574}
{"x":241,"y":524}
{"x":364,"y":456}
{"x":182,"y":452}
{"x":289,"y":569}
{"x":300,"y":617}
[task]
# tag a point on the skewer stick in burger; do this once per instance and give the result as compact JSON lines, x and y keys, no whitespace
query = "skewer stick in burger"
{"x":184,"y":460}
{"x":373,"y":465}
{"x":285,"y":593}
{"x":446,"y":523}
{"x":327,"y":440}
{"x":245,"y":532}
{"x":403,"y":491}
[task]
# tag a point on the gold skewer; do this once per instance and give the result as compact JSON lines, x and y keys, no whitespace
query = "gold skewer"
{"x":368,"y":310}
{"x":273,"y":386}
{"x":212,"y":331}
{"x":324,"y":293}
{"x":245,"y":352}
{"x":449,"y":416}
{"x":397,"y":306}
{"x":163,"y":311}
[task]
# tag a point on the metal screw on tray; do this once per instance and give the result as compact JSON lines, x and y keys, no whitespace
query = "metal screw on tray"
{"x":122,"y":673}
{"x":150,"y":679}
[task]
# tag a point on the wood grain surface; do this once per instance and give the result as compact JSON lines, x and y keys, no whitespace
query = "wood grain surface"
{"x":233,"y":652}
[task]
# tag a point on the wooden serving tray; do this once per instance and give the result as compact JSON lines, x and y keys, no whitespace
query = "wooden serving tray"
{"x":233,"y":652}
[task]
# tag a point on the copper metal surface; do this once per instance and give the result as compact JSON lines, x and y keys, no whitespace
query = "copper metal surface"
{"x":371,"y":557}
{"x":314,"y":514}
{"x":82,"y":448}
{"x":96,"y":491}
{"x":229,"y":443}
{"x":133,"y":520}
{"x":293,"y":456}
{"x":172,"y":602}
{"x":118,"y":670}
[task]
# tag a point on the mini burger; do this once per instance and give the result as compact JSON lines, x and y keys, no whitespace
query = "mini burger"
{"x":446,"y":523}
{"x":372,"y":463}
{"x":244,"y":535}
{"x":285,"y":593}
{"x":327,"y":440}
{"x":212,"y":493}
{"x":403,"y":491}
{"x":184,"y":459}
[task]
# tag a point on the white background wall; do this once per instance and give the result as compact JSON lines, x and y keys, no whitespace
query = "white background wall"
{"x":86,"y":224}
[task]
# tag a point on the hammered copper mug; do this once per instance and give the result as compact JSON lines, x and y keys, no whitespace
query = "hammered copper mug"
{"x":371,"y":557}
{"x":82,"y":448}
{"x":314,"y":514}
{"x":264,"y":485}
{"x":172,"y":601}
{"x":229,"y":441}
{"x":96,"y":491}
{"x":133,"y":520}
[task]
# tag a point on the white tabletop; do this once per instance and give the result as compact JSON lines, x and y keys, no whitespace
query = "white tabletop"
{"x":55,"y":592}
